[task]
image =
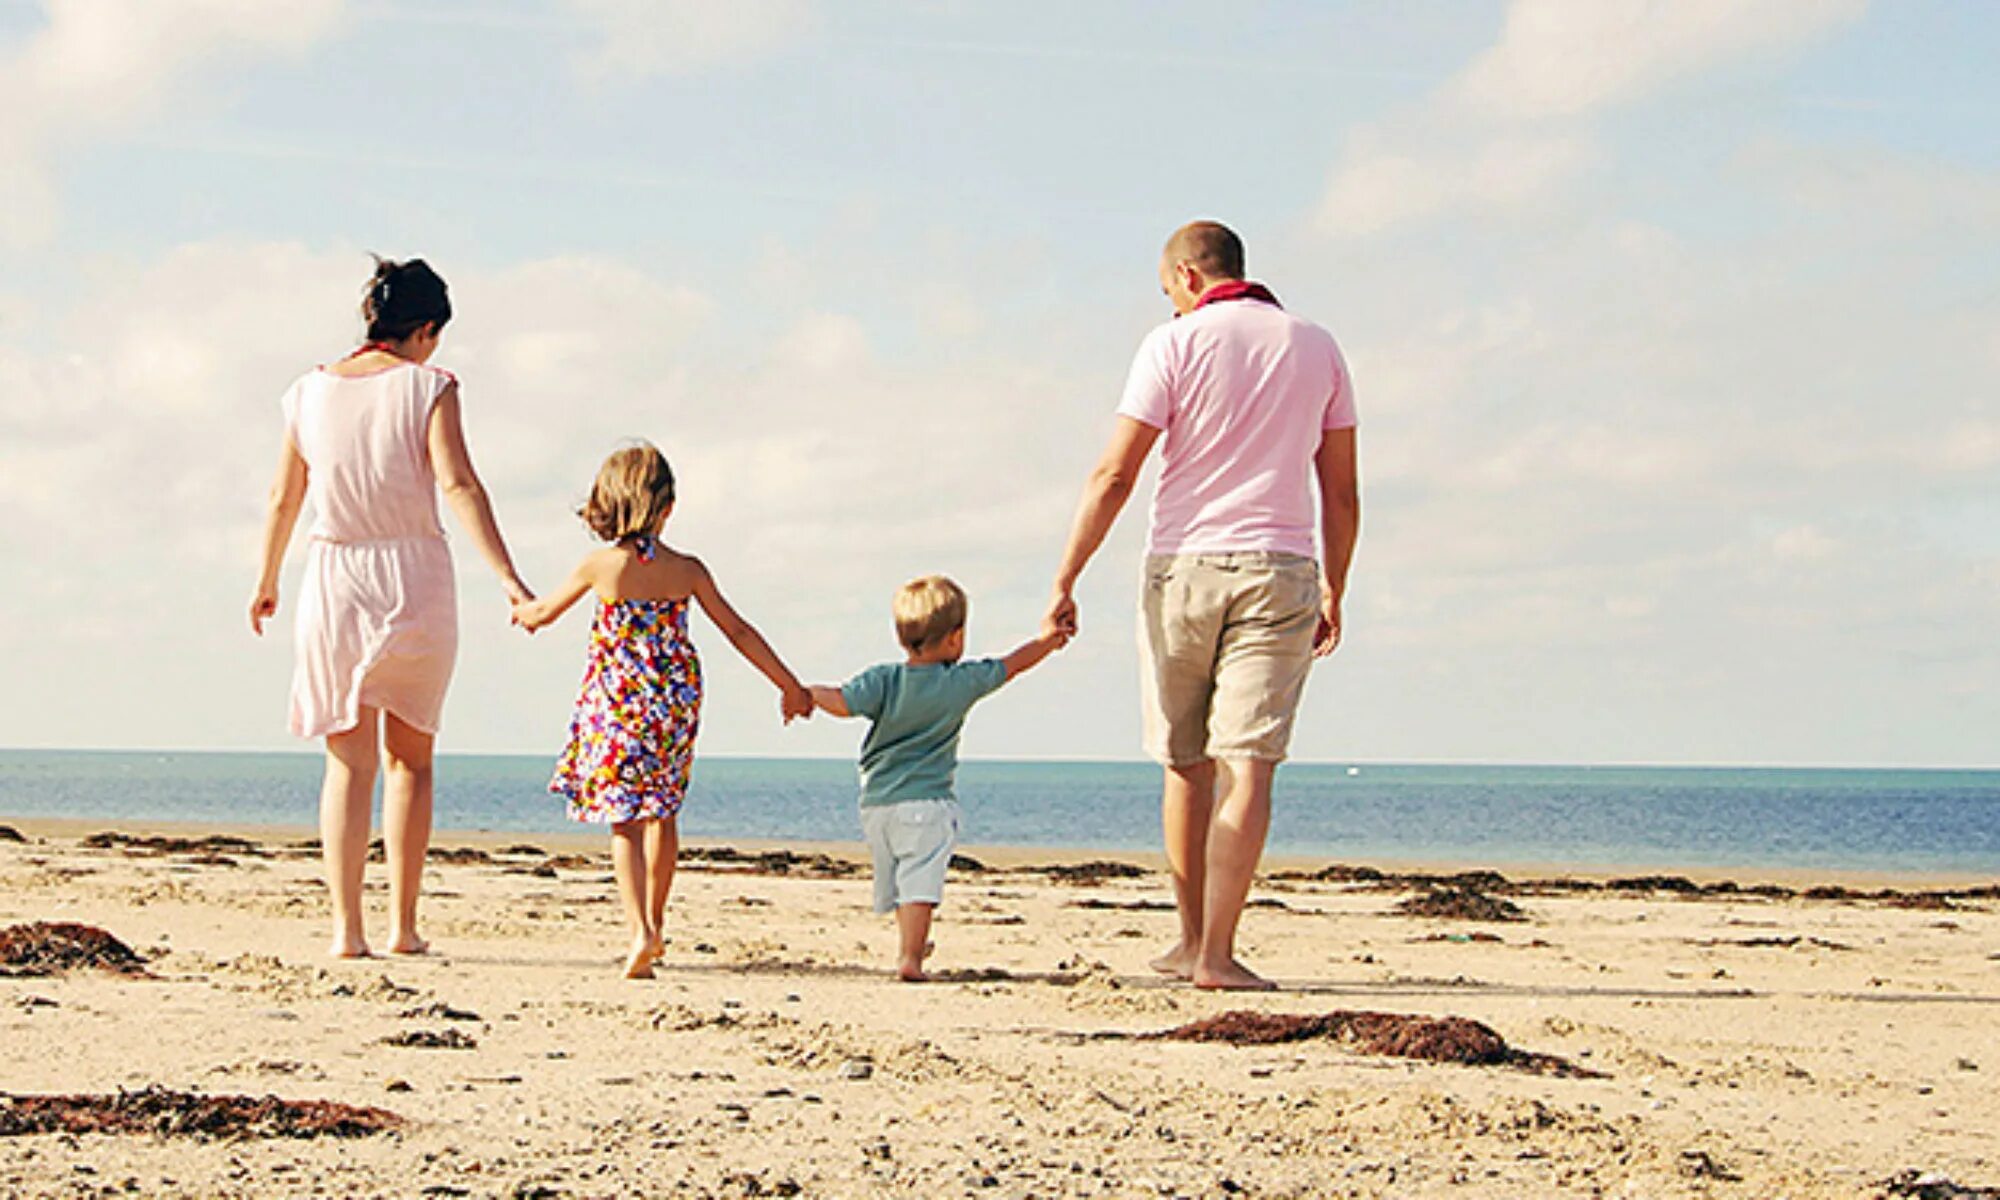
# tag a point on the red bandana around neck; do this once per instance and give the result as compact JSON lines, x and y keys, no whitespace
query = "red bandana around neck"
{"x":1236,"y":289}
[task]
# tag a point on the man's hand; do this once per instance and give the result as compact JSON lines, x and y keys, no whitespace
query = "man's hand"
{"x":1327,"y":639}
{"x":1060,"y":620}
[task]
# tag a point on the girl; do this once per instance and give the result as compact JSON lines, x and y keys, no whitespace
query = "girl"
{"x":631,"y":741}
{"x":370,"y":440}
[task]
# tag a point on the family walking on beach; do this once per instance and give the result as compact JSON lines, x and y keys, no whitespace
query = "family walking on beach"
{"x":1253,"y":526}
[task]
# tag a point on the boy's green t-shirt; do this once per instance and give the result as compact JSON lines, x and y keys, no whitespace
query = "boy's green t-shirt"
{"x":911,"y":751}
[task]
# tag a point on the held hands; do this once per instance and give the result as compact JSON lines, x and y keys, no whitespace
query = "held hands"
{"x":1061,"y":617}
{"x":795,"y":701}
{"x":523,"y":611}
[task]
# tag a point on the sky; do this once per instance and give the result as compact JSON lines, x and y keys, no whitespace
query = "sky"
{"x":1674,"y":326}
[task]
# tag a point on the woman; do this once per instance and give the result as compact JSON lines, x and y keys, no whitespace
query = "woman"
{"x":370,"y":440}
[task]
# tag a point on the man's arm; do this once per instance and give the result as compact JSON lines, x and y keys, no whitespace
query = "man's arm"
{"x":1340,"y":524}
{"x":1104,"y":495}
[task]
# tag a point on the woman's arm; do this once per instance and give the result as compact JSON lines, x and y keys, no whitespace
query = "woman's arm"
{"x":534,"y":614}
{"x":281,"y":513}
{"x":796,"y":701}
{"x":452,"y":464}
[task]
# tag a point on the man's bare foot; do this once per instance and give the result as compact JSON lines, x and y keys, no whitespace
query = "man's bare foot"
{"x":639,"y":963}
{"x":1178,"y":962}
{"x":410,"y":944}
{"x":1231,"y":976}
{"x":350,"y":948}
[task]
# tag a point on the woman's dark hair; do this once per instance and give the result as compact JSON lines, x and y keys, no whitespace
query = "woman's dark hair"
{"x":402,"y":298}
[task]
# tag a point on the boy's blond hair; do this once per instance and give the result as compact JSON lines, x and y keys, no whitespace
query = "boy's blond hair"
{"x":927,"y":611}
{"x":633,"y":491}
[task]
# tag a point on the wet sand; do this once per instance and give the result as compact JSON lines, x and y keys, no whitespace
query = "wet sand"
{"x":1727,"y":1043}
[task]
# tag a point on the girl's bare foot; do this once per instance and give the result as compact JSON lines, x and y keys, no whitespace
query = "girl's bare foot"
{"x":1231,"y":976}
{"x":409,"y":943}
{"x":344,"y":947}
{"x":1177,"y":962}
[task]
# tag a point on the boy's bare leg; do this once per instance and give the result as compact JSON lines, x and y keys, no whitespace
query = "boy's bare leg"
{"x":1187,"y":802}
{"x":663,"y":851}
{"x":407,"y":790}
{"x":628,"y":862}
{"x":345,"y":798}
{"x":913,"y":929}
{"x":1235,"y":844}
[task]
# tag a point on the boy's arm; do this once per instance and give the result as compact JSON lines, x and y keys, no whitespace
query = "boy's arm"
{"x":1028,"y":653}
{"x":795,"y":700}
{"x":830,"y":700}
{"x":534,"y":614}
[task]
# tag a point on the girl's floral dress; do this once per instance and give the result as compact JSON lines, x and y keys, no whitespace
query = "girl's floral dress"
{"x":631,"y":741}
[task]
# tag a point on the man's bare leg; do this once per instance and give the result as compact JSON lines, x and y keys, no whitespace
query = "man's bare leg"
{"x":1187,"y":801}
{"x":1235,"y":844}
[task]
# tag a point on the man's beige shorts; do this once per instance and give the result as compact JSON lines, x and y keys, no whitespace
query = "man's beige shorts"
{"x":1225,"y":644}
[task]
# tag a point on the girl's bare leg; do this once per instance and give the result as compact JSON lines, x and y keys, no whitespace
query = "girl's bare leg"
{"x":628,"y":862}
{"x":345,"y":799}
{"x":663,"y":850}
{"x":407,"y":792}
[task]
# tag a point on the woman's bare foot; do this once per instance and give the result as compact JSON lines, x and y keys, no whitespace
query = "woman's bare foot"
{"x":1231,"y":976}
{"x":1177,"y":962}
{"x":344,"y":947}
{"x":639,"y":963}
{"x":410,"y":944}
{"x":656,"y":947}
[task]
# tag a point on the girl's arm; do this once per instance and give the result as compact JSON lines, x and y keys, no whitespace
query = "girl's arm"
{"x":288,"y":496}
{"x":452,"y":464}
{"x":795,"y":701}
{"x":533,"y":614}
{"x":830,"y":700}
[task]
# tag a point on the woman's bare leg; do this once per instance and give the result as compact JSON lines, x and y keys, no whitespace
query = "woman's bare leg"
{"x":407,"y":791}
{"x":663,"y":851}
{"x":346,"y":797}
{"x":628,"y":862}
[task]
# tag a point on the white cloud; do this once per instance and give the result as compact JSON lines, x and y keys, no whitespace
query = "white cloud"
{"x":643,"y":37}
{"x":1561,"y":58}
{"x":1511,"y":130}
{"x":97,"y":65}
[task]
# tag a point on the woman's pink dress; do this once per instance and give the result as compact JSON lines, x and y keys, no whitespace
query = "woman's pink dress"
{"x":378,"y":612}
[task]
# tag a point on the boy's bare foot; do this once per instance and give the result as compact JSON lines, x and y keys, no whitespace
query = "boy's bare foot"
{"x":912,"y":972}
{"x":1231,"y":976}
{"x":639,"y":963}
{"x":1177,"y":962}
{"x":350,"y":948}
{"x":410,"y":944}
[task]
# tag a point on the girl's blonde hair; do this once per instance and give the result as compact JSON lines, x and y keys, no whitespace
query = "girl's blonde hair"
{"x":634,"y":490}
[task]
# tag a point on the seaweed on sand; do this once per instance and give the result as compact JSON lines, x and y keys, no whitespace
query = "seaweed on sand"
{"x":49,"y":947}
{"x":162,"y":1112}
{"x":1397,"y":1035}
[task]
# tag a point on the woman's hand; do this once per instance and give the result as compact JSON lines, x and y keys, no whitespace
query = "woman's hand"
{"x":263,"y":606}
{"x":795,"y":701}
{"x":518,"y":592}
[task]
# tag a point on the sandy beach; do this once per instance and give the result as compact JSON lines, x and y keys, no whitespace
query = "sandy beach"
{"x":1666,"y":1037}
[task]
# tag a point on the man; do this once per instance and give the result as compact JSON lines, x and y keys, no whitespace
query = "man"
{"x":1258,"y":413}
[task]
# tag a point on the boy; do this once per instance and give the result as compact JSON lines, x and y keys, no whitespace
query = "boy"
{"x":909,"y":814}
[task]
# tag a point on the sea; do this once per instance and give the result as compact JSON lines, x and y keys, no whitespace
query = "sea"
{"x":1583,"y":816}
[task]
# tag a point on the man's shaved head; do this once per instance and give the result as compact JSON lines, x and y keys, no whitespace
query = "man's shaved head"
{"x":1209,"y":247}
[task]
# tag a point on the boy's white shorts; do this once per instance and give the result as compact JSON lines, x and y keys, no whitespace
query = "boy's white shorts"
{"x":911,"y":844}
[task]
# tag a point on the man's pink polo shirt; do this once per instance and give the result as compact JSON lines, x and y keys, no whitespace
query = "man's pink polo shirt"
{"x":1243,"y":391}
